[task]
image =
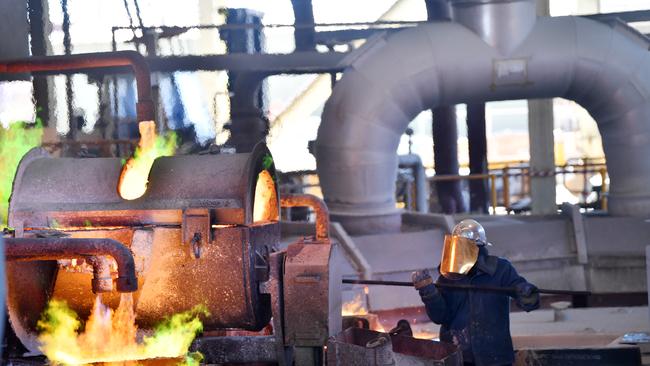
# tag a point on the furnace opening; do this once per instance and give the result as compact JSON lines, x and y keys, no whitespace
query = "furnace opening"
{"x":265,"y":206}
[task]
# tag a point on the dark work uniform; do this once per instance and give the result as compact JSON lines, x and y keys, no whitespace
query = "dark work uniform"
{"x":478,"y":321}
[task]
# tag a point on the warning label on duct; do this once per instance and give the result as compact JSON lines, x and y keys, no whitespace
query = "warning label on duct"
{"x":510,"y":72}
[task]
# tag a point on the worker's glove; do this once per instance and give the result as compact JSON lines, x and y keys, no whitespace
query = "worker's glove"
{"x":527,"y":296}
{"x":423,"y":282}
{"x":421,"y":279}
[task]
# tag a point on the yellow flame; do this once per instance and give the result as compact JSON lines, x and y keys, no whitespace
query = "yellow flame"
{"x":354,"y":307}
{"x":111,"y":337}
{"x":135,"y":173}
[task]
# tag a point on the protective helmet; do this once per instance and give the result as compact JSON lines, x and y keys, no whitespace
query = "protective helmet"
{"x":471,"y":230}
{"x":461,"y":249}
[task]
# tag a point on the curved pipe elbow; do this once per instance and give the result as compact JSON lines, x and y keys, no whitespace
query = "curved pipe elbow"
{"x":84,"y":61}
{"x":33,"y":249}
{"x":597,"y":66}
{"x":316,"y":204}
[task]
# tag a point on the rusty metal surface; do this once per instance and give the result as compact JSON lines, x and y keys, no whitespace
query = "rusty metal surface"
{"x":223,"y":278}
{"x":40,"y":249}
{"x":196,"y":230}
{"x":312,"y":294}
{"x":224,"y":183}
{"x":357,"y":347}
{"x":218,"y":350}
{"x":171,"y":280}
{"x":29,"y":286}
{"x":274,"y":288}
{"x":86,"y":61}
{"x":216,"y":194}
{"x":102,"y":280}
{"x":316,"y":204}
{"x":73,"y":281}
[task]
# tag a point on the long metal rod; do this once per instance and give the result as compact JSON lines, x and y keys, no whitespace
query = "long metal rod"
{"x":508,"y":290}
{"x":626,"y":16}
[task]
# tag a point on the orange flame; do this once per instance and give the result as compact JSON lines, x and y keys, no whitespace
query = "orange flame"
{"x":135,"y":173}
{"x":111,"y":337}
{"x":354,"y":307}
{"x":265,"y":206}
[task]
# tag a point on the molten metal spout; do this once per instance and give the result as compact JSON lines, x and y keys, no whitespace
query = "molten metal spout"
{"x":102,"y":280}
{"x":33,"y":249}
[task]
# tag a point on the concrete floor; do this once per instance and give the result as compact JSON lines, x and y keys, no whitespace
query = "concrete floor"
{"x":576,"y":327}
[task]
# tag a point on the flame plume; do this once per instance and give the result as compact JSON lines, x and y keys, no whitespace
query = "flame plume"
{"x":135,"y":173}
{"x":111,"y":337}
{"x":354,"y":307}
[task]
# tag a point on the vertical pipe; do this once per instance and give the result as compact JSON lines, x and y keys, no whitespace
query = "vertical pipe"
{"x":303,"y":15}
{"x":445,"y":132}
{"x":493,"y":191}
{"x":445,"y":156}
{"x":438,"y":9}
{"x":414,"y":162}
{"x":477,"y":141}
{"x":506,"y":189}
{"x":603,"y":189}
{"x":542,"y":156}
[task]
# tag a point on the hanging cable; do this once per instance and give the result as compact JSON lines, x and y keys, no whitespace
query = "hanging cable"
{"x":67,"y":49}
{"x":128,"y":12}
{"x":137,"y":13}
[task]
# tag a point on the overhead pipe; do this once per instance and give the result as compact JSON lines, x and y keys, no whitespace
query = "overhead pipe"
{"x":36,"y":249}
{"x":604,"y":68}
{"x":86,"y":61}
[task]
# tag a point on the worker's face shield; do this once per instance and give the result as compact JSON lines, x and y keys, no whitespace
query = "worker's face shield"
{"x":459,"y":255}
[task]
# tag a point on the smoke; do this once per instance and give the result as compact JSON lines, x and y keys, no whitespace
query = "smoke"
{"x":15,"y":141}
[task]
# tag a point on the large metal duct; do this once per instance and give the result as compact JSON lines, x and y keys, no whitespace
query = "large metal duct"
{"x":502,"y":52}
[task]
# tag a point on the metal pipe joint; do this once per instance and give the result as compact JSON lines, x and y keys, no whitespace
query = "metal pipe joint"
{"x":34,"y":249}
{"x":316,"y":204}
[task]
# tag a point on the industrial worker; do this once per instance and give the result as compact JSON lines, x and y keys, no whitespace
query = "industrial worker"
{"x":475,"y":320}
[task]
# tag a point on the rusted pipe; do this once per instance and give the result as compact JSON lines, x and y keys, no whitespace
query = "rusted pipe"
{"x":316,"y":204}
{"x":102,"y":279}
{"x":86,"y":61}
{"x":33,"y":249}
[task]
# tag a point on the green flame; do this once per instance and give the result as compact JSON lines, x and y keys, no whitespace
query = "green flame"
{"x":15,"y":141}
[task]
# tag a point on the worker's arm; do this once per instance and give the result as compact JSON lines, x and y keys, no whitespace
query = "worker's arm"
{"x":526,"y":296}
{"x":434,"y":301}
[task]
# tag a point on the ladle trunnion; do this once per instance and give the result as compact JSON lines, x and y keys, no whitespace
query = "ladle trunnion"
{"x":201,"y":234}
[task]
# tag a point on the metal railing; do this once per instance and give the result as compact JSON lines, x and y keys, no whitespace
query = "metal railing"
{"x":505,"y":172}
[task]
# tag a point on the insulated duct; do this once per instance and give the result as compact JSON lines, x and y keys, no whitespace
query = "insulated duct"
{"x":501,"y":52}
